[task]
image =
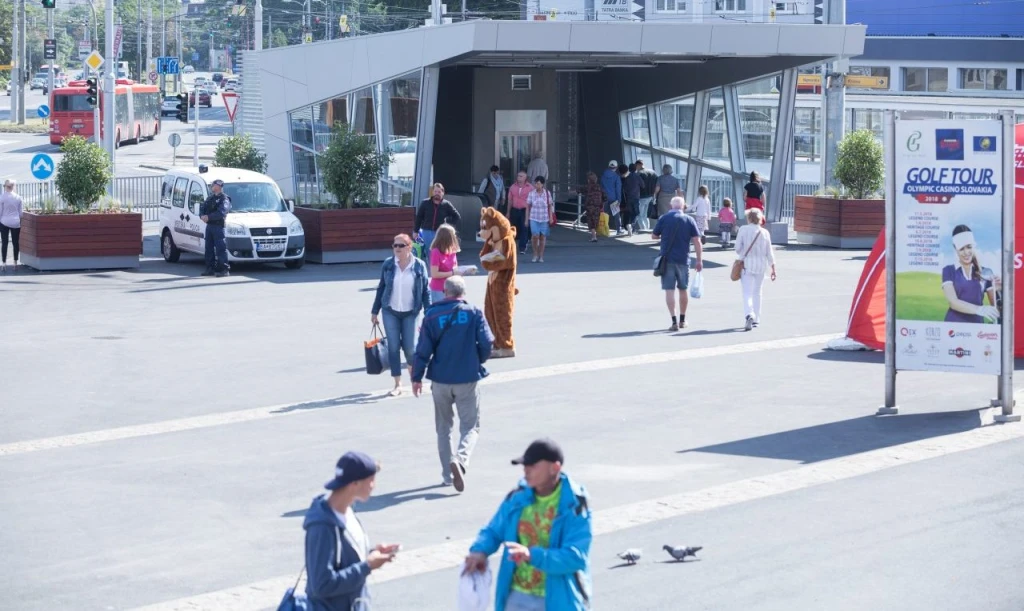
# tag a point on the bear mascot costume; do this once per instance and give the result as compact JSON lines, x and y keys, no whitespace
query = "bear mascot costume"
{"x":498,"y":257}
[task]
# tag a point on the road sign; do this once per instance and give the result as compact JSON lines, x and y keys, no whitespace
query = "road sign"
{"x":118,"y":39}
{"x":307,"y":38}
{"x":83,"y":49}
{"x":50,"y":48}
{"x":5,"y":66}
{"x":195,"y":56}
{"x":867,"y":82}
{"x":43,"y":111}
{"x":42,"y":166}
{"x":167,"y":65}
{"x":808,"y":80}
{"x":174,"y":140}
{"x":94,"y":61}
{"x":153,"y":77}
{"x":230,"y":103}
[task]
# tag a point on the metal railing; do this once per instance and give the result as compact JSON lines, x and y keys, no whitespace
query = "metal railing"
{"x":138,"y":193}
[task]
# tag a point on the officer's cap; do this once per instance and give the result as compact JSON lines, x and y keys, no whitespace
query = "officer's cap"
{"x":219,"y":182}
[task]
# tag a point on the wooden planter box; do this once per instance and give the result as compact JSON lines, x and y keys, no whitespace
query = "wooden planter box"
{"x":838,"y":223}
{"x":358,"y":235}
{"x":52,"y":242}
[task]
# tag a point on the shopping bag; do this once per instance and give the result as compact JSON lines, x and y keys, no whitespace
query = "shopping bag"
{"x":602,"y":225}
{"x":293,"y":599}
{"x":475,"y":590}
{"x":376,"y":349}
{"x":697,"y":285}
{"x":615,"y":208}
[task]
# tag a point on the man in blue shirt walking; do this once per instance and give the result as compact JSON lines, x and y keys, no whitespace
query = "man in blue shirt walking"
{"x":454,"y":343}
{"x":677,"y":231}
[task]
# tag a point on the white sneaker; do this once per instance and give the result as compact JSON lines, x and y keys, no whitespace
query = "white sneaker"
{"x":535,"y":259}
{"x":542,"y":259}
{"x":749,"y":324}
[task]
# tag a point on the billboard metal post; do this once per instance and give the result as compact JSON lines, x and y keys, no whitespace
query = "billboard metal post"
{"x":1009,"y":248}
{"x":890,"y":267}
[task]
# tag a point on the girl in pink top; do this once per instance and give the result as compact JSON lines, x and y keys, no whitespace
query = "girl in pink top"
{"x":726,"y":221}
{"x":443,"y":261}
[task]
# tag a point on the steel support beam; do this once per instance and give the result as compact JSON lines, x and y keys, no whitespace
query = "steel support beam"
{"x":734,"y":131}
{"x":382,"y":119}
{"x":654,"y":127}
{"x":425,"y":133}
{"x":701,"y":103}
{"x":783,"y":147}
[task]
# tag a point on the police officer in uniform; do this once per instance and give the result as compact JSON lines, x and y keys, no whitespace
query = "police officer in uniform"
{"x":214,"y":211}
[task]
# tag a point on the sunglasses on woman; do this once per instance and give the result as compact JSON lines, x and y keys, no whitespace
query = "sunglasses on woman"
{"x":397,"y":245}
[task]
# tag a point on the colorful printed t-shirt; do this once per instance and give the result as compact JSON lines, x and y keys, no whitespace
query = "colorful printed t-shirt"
{"x":535,"y":531}
{"x":444,"y":263}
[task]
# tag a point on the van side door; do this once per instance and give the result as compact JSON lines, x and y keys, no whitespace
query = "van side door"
{"x":186,"y":230}
{"x":196,"y":197}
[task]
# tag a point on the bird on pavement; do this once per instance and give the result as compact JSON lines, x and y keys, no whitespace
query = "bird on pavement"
{"x":630,"y":555}
{"x":680,"y":553}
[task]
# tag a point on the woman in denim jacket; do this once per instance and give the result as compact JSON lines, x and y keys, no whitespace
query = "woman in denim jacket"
{"x":403,"y":292}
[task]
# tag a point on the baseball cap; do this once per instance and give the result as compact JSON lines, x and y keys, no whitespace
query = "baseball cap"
{"x":541,"y":449}
{"x":219,"y":182}
{"x":613,"y":164}
{"x":351,"y":467}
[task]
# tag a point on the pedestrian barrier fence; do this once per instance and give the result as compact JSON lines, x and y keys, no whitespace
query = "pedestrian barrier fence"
{"x":135,"y":193}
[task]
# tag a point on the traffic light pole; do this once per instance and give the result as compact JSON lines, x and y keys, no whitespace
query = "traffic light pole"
{"x":195,"y":128}
{"x":109,"y":89}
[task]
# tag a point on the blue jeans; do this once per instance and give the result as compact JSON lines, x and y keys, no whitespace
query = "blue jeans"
{"x":428,"y":239}
{"x":216,"y":248}
{"x":642,"y":221}
{"x":400,"y":329}
{"x":517,"y":601}
{"x":677,"y":276}
{"x":436,"y":296}
{"x":517,"y":218}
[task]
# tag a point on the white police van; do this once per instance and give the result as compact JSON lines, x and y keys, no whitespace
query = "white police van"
{"x":260,"y":227}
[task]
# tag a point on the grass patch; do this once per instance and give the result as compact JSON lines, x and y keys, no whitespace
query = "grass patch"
{"x":919,"y":296}
{"x":30,"y":127}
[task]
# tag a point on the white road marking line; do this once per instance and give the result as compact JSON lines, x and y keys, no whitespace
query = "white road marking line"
{"x":449,"y":555}
{"x":279,"y":411}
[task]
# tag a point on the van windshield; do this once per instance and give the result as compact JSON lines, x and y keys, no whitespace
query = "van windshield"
{"x":255,"y":197}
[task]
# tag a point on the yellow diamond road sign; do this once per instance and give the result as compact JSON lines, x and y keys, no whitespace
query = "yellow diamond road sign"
{"x":94,"y":61}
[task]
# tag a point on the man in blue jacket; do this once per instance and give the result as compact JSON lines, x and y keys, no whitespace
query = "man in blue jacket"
{"x":454,"y":343}
{"x":611,"y":184}
{"x":544,"y":524}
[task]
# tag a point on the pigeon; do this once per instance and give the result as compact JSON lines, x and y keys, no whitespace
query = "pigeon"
{"x":680,"y":553}
{"x":630,"y":555}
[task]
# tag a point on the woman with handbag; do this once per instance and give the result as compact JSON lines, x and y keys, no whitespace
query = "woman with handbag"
{"x":339,"y":557}
{"x":755,"y":244}
{"x":402,"y":293}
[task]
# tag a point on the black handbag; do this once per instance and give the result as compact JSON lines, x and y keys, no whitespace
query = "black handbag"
{"x":661,"y":261}
{"x":376,"y":351}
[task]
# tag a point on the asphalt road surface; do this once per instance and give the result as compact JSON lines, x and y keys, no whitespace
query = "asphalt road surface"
{"x":164,"y":433}
{"x":17,"y":150}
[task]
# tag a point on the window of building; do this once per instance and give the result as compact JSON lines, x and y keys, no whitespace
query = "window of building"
{"x":988,"y":79}
{"x":730,"y":5}
{"x":926,"y":79}
{"x":785,"y":7}
{"x":670,"y":6}
{"x":807,"y":134}
{"x":1020,"y":79}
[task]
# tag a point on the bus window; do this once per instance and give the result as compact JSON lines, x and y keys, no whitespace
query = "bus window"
{"x":71,"y":103}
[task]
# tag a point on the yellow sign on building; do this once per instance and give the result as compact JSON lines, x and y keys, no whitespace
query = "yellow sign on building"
{"x":809,"y":80}
{"x":867,"y":82}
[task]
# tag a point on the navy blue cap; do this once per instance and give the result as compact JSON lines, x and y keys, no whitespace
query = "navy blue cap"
{"x":352,"y":467}
{"x":219,"y":182}
{"x":541,"y":449}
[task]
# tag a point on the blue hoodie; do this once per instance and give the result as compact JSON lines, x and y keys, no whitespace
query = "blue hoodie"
{"x":566,"y":560}
{"x":611,"y":184}
{"x":462,"y":351}
{"x":331,"y":586}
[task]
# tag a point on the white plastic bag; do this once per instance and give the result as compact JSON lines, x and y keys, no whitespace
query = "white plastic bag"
{"x":697,"y":285}
{"x":475,"y":590}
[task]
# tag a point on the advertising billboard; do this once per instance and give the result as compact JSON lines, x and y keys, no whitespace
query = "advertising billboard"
{"x":949,"y":243}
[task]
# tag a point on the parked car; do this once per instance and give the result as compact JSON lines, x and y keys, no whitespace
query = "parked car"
{"x":403,"y":158}
{"x":169,"y":106}
{"x":204,"y":99}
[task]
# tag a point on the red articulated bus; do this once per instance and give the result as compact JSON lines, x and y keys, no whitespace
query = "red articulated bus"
{"x":136,"y":112}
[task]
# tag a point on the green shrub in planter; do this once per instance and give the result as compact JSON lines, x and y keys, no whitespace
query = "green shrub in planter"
{"x":352,"y":167}
{"x":860,"y":164}
{"x":239,"y":152}
{"x":82,"y":174}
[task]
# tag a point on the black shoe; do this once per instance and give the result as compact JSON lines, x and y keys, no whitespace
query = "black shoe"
{"x":222,"y":274}
{"x":458,"y":475}
{"x":208,"y":272}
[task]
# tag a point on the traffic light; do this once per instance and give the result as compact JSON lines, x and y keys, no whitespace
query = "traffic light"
{"x":49,"y":3}
{"x":91,"y":92}
{"x":183,"y":107}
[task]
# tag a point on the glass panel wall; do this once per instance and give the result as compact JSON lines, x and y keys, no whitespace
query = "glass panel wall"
{"x":716,"y":143}
{"x":391,"y":108}
{"x":676,"y":119}
{"x":807,"y":134}
{"x":638,"y":125}
{"x":720,"y":186}
{"x":759,"y":117}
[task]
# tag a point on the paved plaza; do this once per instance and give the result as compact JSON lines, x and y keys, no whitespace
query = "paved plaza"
{"x":164,"y":433}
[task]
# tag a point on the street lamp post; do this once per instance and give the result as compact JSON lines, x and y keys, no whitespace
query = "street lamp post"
{"x":109,"y":88}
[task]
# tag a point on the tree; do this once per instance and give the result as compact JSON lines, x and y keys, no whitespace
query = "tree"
{"x":239,"y":152}
{"x":352,"y":166}
{"x":860,"y":164}
{"x":83,"y":173}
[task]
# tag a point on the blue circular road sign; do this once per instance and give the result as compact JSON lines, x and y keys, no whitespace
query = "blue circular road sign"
{"x":42,"y":166}
{"x":43,"y":111}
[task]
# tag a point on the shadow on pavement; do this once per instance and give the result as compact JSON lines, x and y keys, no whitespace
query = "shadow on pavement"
{"x":848,"y":437}
{"x":389,"y":499}
{"x":362,"y":398}
{"x":708,"y":332}
{"x":624,"y":334}
{"x":876,"y":357}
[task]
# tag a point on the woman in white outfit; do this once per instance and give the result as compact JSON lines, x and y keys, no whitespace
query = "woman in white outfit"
{"x":10,"y":223}
{"x":754,"y":247}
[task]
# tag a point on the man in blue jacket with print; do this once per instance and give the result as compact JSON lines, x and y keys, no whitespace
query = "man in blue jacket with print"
{"x":611,"y":184}
{"x":454,"y":343}
{"x":544,"y":524}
